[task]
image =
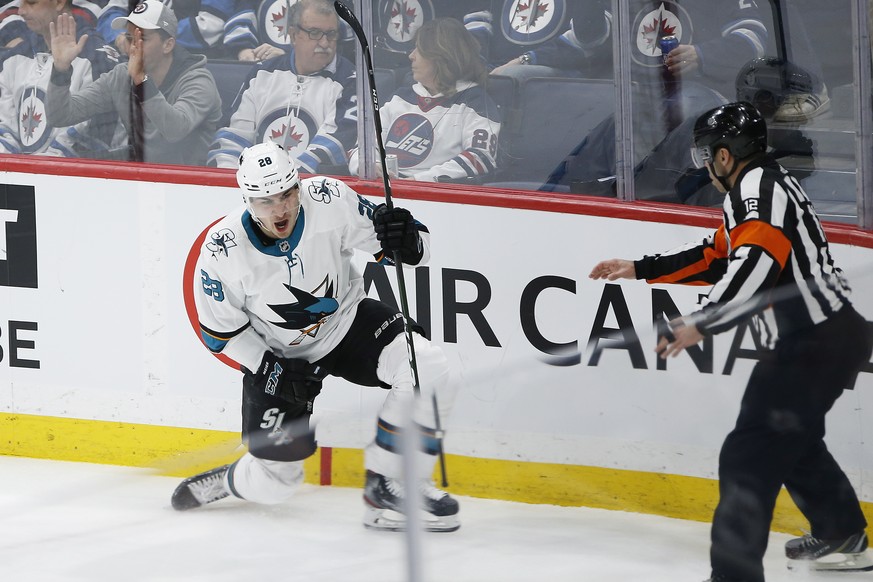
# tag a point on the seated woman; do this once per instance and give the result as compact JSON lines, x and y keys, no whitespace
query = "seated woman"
{"x":445,"y":126}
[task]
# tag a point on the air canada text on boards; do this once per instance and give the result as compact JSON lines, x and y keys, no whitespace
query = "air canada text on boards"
{"x":611,"y":305}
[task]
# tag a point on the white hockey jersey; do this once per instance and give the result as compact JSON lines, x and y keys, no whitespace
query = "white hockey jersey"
{"x":295,"y":296}
{"x":24,"y":78}
{"x":438,"y":137}
{"x":312,"y":116}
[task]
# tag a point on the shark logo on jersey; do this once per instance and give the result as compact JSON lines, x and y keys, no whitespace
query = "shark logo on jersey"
{"x":292,"y":129}
{"x":410,"y":138}
{"x":308,"y":313}
{"x":527,"y":22}
{"x":323,"y":192}
{"x":220,"y":242}
{"x":402,"y":19}
{"x":668,"y":19}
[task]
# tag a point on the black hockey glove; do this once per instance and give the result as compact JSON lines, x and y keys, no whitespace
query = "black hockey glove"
{"x":290,"y":379}
{"x":396,"y":231}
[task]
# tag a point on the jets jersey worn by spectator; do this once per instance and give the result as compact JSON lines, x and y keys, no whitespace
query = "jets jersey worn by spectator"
{"x":201,"y":23}
{"x":12,"y":26}
{"x":440,"y":137}
{"x":24,"y":80}
{"x":724,"y":36}
{"x":561,"y":34}
{"x":312,"y":116}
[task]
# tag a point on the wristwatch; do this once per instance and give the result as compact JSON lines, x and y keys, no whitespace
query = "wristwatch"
{"x":524,"y":59}
{"x":144,"y":79}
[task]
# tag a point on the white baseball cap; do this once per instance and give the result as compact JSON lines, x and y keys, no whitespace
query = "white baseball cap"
{"x":149,"y":15}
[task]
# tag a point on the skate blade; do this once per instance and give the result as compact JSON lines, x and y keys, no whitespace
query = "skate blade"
{"x":835,"y":563}
{"x":388,"y":520}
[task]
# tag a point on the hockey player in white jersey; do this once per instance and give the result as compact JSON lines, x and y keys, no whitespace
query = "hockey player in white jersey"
{"x":275,"y":291}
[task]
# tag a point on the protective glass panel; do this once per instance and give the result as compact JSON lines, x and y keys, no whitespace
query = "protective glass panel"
{"x":530,"y":104}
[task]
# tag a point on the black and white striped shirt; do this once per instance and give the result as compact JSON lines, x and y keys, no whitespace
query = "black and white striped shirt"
{"x":771,"y":251}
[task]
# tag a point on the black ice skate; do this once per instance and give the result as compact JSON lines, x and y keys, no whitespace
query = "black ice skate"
{"x":845,"y":555}
{"x":383,"y":498}
{"x":201,"y":489}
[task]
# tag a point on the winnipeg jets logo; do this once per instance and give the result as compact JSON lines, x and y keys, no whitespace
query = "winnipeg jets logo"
{"x":309,"y":312}
{"x":290,"y":130}
{"x":32,"y":128}
{"x":527,"y":22}
{"x":274,"y":22}
{"x":656,"y":25}
{"x":668,"y":19}
{"x":30,"y":121}
{"x":280,"y":23}
{"x":527,"y":14}
{"x":287,"y":136}
{"x":220,"y":242}
{"x":401,"y":19}
{"x":410,"y":138}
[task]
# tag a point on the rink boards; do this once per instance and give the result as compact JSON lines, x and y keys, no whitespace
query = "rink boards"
{"x":562,"y":401}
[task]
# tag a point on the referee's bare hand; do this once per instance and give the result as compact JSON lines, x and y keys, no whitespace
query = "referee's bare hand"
{"x":684,"y":336}
{"x":614,"y":269}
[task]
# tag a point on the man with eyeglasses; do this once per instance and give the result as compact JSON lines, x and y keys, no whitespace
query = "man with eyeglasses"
{"x":261,"y":29}
{"x":24,"y":76}
{"x":770,"y":261}
{"x":305,"y":101}
{"x":166,"y":101}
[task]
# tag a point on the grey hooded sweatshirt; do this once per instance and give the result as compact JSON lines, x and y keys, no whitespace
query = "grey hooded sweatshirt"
{"x":170,"y":124}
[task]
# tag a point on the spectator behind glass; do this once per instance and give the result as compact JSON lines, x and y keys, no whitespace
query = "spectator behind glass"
{"x":668,"y":92}
{"x":306,"y":101}
{"x":13,"y":29}
{"x":445,"y":126}
{"x":259,"y":30}
{"x":200,"y":29}
{"x":530,"y":39}
{"x":166,"y":100}
{"x":24,"y":77}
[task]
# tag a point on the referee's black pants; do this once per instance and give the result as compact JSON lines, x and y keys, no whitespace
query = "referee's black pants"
{"x":779,"y":439}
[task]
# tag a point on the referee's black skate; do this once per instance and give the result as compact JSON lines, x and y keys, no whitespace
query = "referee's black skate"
{"x":201,"y":489}
{"x":383,"y":498}
{"x":844,"y":555}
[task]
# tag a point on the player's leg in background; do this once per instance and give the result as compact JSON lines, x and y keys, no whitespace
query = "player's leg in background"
{"x":385,"y":483}
{"x":434,"y":378}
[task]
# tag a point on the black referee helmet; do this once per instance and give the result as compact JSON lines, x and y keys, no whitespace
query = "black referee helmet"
{"x":737,"y":127}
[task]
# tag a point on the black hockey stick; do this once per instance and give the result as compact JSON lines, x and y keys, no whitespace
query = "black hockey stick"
{"x":346,"y":14}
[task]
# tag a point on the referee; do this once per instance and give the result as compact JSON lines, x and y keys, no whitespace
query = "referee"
{"x":770,"y":260}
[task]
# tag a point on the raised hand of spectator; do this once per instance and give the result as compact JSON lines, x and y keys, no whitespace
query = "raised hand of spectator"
{"x":63,"y":41}
{"x":135,"y":65}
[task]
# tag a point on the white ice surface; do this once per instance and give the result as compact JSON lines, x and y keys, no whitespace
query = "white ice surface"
{"x":63,"y":522}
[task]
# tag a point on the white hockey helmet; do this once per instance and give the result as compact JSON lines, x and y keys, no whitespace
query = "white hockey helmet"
{"x":266,"y":169}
